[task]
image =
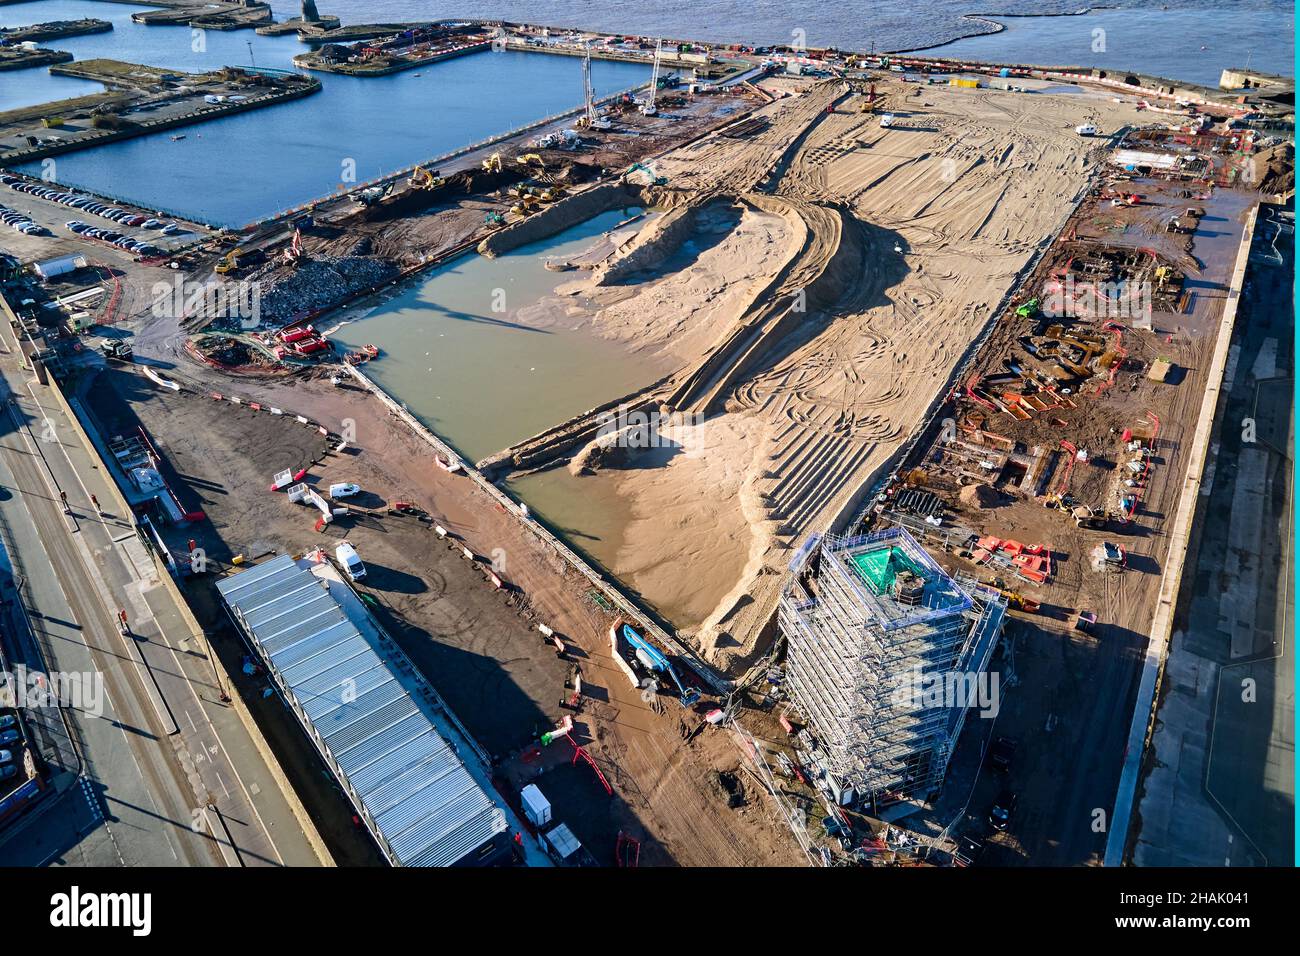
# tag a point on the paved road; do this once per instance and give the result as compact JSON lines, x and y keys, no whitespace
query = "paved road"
{"x":1222,"y":789}
{"x":168,"y":775}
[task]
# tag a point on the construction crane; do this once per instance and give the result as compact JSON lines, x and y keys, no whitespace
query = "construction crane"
{"x":656,"y":663}
{"x":648,"y":108}
{"x":590,"y":119}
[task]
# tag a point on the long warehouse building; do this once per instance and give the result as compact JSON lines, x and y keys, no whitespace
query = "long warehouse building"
{"x":381,"y":729}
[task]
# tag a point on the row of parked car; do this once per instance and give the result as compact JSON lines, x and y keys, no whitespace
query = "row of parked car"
{"x":11,"y":737}
{"x":53,"y":194}
{"x":113,"y":238}
{"x":20,"y":223}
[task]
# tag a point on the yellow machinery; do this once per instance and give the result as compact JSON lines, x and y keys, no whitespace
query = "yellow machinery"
{"x":493,"y":163}
{"x":525,"y":205}
{"x":531,"y":159}
{"x":421,"y":178}
{"x":229,"y":263}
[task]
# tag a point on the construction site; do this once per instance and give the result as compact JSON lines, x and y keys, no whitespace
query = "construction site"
{"x":935,"y":340}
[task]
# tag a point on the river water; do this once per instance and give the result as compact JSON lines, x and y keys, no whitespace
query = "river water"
{"x":234,"y":170}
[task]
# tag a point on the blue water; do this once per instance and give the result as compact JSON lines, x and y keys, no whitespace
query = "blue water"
{"x":235,"y":170}
{"x":1186,"y":45}
{"x":1169,"y":46}
{"x":238,"y":169}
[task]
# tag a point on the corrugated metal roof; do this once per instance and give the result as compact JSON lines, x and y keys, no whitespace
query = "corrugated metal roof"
{"x":424,"y":802}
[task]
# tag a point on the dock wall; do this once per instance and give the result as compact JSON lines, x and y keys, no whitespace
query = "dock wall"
{"x":29,"y":154}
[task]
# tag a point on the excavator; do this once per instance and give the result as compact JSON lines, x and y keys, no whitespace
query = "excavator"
{"x":493,"y":163}
{"x":649,"y":658}
{"x":422,"y":178}
{"x":655,"y":179}
{"x":1015,"y":599}
{"x":531,"y":159}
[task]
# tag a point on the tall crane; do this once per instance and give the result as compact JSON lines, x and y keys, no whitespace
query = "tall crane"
{"x":590,"y":118}
{"x":648,"y":107}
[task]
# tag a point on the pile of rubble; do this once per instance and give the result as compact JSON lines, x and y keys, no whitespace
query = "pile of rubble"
{"x":317,"y":283}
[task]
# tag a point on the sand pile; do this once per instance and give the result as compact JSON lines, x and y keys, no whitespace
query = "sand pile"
{"x":980,"y":495}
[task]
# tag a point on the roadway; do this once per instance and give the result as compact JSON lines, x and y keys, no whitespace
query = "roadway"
{"x":1221,"y":791}
{"x":167,"y":774}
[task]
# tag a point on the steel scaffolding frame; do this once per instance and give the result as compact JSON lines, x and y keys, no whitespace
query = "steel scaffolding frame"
{"x":853,"y":653}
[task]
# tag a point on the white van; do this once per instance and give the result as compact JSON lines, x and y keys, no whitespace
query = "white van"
{"x":350,"y":561}
{"x":1087,"y":129}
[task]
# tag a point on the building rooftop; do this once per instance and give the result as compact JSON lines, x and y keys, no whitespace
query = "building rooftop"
{"x":366,"y":715}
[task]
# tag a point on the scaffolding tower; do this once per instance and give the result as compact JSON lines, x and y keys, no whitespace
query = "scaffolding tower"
{"x":868,"y":621}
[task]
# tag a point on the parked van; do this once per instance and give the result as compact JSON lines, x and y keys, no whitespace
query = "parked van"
{"x":349,"y":561}
{"x":1087,"y":129}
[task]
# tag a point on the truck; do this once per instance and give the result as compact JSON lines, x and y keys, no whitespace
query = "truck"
{"x":346,"y":555}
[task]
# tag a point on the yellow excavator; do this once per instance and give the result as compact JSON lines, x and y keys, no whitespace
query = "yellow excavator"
{"x":229,"y":263}
{"x":421,"y":178}
{"x":531,"y":159}
{"x":493,"y":163}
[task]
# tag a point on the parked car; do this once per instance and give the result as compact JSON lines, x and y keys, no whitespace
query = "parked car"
{"x":344,"y":489}
{"x":1003,"y":807}
{"x":1002,"y":753}
{"x":7,"y":721}
{"x":10,"y":737}
{"x":8,"y":771}
{"x":6,"y":756}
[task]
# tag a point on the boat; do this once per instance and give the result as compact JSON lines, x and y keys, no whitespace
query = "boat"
{"x":178,"y":136}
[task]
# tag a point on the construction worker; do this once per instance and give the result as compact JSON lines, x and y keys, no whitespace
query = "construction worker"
{"x":95,"y":501}
{"x":63,"y":497}
{"x":121,"y":621}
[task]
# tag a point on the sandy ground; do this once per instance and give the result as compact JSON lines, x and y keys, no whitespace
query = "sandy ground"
{"x":479,"y":647}
{"x":699,"y":288}
{"x":941,"y":213}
